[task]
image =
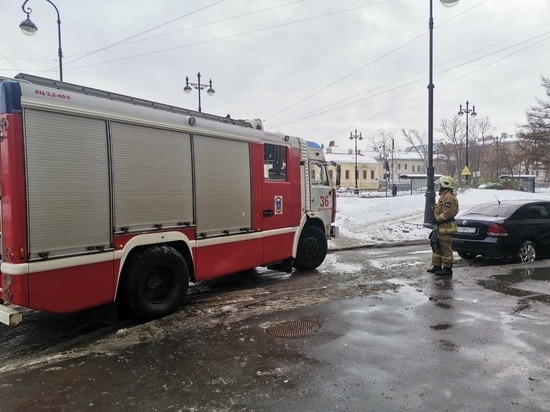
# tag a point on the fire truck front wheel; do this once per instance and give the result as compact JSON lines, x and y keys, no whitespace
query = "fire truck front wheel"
{"x":312,"y":248}
{"x":155,"y":283}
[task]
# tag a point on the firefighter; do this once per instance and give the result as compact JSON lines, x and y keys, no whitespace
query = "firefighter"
{"x":444,"y":226}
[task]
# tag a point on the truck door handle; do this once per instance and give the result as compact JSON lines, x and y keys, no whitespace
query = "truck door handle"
{"x":268,"y":213}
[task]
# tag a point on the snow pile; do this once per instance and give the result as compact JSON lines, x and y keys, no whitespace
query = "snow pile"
{"x":375,"y":220}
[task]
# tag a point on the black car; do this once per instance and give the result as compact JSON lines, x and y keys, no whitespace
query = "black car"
{"x":508,"y":228}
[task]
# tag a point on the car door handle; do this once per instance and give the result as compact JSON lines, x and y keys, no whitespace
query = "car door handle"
{"x":268,"y":213}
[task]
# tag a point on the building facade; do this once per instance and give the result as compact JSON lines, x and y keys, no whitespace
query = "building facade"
{"x":345,"y":166}
{"x":375,"y":171}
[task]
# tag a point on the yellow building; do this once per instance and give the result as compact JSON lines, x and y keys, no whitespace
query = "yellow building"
{"x":369,"y":170}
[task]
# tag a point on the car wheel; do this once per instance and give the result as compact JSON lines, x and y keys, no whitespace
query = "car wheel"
{"x":155,"y":283}
{"x":467,"y":255}
{"x":527,"y":252}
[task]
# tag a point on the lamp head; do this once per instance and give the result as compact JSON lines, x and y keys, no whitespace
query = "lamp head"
{"x":187,"y":89}
{"x":449,"y":3}
{"x":473,"y":114}
{"x":210,"y":90}
{"x":28,"y":27}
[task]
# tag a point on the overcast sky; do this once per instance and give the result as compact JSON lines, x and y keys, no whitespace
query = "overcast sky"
{"x":318,"y":69}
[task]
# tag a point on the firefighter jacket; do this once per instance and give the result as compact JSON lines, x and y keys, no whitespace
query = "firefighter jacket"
{"x":445,"y":211}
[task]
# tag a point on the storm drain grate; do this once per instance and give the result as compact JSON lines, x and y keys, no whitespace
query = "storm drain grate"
{"x":293,"y":328}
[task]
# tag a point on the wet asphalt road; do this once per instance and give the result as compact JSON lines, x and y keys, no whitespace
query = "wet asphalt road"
{"x":395,"y":338}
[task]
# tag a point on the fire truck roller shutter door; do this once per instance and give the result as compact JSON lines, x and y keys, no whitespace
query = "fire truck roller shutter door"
{"x":152,"y":176}
{"x":68,"y":183}
{"x":223,"y":181}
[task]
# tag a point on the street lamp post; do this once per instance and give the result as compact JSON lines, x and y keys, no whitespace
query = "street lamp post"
{"x":360,"y":137}
{"x":499,"y":140}
{"x":187,"y":89}
{"x":430,"y":191}
{"x":473,"y":114}
{"x":29,"y":28}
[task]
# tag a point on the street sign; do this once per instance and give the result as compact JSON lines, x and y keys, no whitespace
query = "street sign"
{"x":466,"y":171}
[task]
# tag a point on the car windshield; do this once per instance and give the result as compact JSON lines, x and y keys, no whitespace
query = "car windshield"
{"x":492,"y":209}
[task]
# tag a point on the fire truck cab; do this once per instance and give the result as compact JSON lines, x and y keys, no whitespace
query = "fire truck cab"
{"x":107,"y":198}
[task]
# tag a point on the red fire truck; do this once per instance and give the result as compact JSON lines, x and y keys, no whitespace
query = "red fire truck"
{"x":107,"y":198}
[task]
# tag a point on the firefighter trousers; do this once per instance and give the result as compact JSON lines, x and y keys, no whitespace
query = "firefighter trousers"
{"x":445,"y":256}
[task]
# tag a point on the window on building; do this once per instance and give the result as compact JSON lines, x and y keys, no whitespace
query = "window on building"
{"x":405,"y":166}
{"x":274,"y":162}
{"x":412,"y":168}
{"x":364,"y":175}
{"x":346,"y":175}
{"x":372,"y":174}
{"x":398,"y":166}
{"x":330,"y":175}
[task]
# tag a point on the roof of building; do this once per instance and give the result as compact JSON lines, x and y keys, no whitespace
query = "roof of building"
{"x":398,"y":155}
{"x":349,"y":158}
{"x":408,"y":154}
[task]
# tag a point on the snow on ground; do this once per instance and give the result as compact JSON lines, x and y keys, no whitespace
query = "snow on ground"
{"x":373,"y":219}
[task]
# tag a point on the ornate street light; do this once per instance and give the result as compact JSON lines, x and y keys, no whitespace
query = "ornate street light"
{"x":187,"y":89}
{"x":430,"y":191}
{"x":29,"y":28}
{"x":471,"y":112}
{"x":360,"y":137}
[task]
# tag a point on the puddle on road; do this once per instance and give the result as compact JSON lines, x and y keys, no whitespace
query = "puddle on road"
{"x":525,"y":282}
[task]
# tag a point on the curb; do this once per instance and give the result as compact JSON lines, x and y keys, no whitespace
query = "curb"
{"x":380,"y":245}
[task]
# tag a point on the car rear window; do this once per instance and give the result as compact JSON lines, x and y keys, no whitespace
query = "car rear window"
{"x":494,"y":210}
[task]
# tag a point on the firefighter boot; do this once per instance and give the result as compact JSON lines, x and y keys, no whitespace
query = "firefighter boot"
{"x":446,"y":271}
{"x":434,"y":269}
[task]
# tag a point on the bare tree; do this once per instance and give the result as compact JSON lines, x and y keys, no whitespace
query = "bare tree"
{"x":453,"y":140}
{"x":479,"y":143}
{"x":416,"y":140}
{"x":444,"y":159}
{"x":535,"y":133}
{"x":480,"y":139}
{"x":383,"y":145}
{"x":383,"y":142}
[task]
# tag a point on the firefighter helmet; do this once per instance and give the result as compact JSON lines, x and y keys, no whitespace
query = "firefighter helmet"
{"x":446,"y":182}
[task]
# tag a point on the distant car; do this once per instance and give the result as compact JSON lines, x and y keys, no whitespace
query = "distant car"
{"x":508,"y":228}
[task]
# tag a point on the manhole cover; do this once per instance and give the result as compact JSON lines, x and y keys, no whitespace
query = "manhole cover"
{"x":293,"y":328}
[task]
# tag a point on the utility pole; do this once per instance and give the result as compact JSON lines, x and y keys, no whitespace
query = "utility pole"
{"x":360,"y":137}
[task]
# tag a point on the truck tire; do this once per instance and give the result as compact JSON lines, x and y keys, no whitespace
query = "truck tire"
{"x":155,"y":283}
{"x":312,"y":248}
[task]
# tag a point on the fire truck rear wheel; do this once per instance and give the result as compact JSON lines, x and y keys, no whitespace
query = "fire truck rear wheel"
{"x":312,"y":248}
{"x":155,"y":284}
